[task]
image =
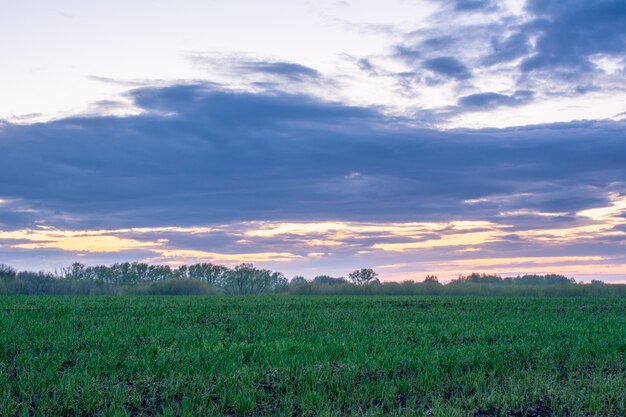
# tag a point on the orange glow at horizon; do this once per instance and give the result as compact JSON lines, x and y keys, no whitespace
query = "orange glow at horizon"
{"x":325,"y":241}
{"x":448,"y":272}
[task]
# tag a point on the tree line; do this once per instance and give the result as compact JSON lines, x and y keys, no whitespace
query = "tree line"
{"x":136,"y":278}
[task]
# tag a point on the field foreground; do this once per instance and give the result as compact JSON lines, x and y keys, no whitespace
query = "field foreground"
{"x":300,"y":356}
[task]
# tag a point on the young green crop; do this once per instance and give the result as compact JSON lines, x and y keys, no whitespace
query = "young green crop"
{"x":324,"y":356}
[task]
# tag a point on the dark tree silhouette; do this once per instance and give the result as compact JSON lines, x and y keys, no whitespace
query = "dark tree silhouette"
{"x":363,"y":276}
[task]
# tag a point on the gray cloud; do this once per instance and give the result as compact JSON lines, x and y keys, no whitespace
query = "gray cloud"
{"x":571,"y":32}
{"x":475,"y":5}
{"x":490,"y":100}
{"x":282,"y":69}
{"x":551,"y":49}
{"x":448,"y":66}
{"x":203,"y":155}
{"x":278,"y":70}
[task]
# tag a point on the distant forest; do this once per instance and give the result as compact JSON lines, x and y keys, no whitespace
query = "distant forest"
{"x":209,"y":279}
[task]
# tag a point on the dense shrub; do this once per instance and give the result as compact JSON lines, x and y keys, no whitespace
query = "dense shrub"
{"x":327,"y":280}
{"x":209,"y":279}
{"x":179,"y":286}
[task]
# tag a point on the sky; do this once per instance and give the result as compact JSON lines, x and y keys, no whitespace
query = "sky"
{"x":316,"y":137}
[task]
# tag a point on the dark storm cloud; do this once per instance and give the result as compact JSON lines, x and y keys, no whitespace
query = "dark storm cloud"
{"x":202,"y":155}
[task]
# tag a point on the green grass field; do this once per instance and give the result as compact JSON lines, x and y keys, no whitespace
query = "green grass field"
{"x":301,"y":356}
